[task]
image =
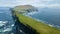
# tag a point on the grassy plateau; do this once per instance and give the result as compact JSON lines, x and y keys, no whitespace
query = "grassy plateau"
{"x":40,"y":27}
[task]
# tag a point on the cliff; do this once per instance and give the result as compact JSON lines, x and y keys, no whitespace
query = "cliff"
{"x":39,"y":27}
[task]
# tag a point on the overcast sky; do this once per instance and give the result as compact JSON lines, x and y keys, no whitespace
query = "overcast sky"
{"x":37,"y":3}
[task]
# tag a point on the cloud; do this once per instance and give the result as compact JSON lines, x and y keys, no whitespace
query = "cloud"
{"x":31,"y":2}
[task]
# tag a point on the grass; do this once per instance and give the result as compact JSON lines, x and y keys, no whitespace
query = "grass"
{"x":40,"y":27}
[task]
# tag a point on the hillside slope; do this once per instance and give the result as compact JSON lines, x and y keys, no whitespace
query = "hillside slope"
{"x":40,"y":27}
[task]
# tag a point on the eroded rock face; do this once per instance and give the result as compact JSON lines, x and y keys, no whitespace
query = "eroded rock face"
{"x":25,"y":8}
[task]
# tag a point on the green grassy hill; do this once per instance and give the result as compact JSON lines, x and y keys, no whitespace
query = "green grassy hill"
{"x":40,"y":27}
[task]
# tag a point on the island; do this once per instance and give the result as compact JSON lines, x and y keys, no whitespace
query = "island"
{"x":38,"y":26}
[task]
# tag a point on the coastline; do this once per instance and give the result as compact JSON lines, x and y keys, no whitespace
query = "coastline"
{"x":51,"y":25}
{"x":38,"y":26}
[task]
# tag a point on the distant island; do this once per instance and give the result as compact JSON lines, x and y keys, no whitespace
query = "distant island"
{"x":40,"y":27}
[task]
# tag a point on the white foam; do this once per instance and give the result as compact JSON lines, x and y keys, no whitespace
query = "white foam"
{"x":21,"y":31}
{"x":12,"y":25}
{"x":3,"y":22}
{"x":12,"y":33}
{"x":8,"y":29}
{"x":1,"y":25}
{"x":50,"y":25}
{"x":0,"y":21}
{"x":31,"y":13}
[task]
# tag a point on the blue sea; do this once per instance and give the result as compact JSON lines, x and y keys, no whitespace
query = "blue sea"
{"x":6,"y":21}
{"x":49,"y":16}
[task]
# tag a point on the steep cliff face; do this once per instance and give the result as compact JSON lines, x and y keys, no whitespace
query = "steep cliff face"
{"x":19,"y":25}
{"x":39,"y":27}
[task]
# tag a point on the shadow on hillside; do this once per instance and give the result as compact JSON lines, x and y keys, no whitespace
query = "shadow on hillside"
{"x":25,"y":28}
{"x":21,"y":28}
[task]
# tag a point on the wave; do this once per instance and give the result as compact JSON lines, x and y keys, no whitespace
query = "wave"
{"x":3,"y":23}
{"x":31,"y":13}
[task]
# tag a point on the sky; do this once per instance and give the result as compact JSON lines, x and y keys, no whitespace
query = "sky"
{"x":37,"y":3}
